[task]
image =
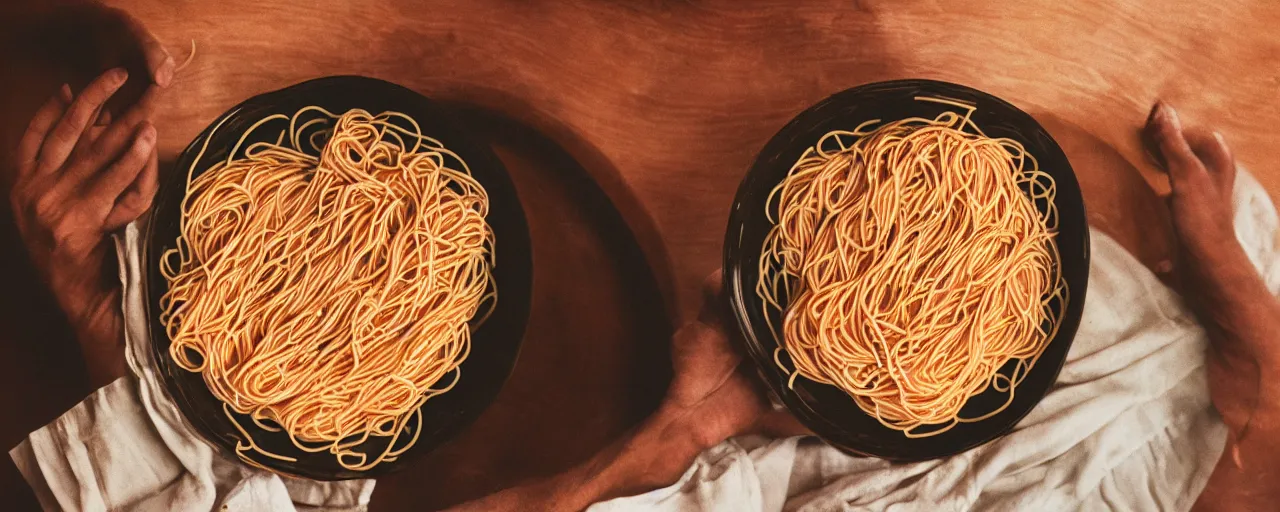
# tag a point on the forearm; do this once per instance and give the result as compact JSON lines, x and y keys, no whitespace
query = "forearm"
{"x":1245,"y":476}
{"x":1243,"y":322}
{"x":1235,"y":299}
{"x":653,"y":455}
{"x":1249,"y":321}
{"x":104,"y":362}
{"x":101,"y":338}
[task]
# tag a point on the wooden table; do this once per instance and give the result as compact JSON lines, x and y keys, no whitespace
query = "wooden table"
{"x":663,"y":105}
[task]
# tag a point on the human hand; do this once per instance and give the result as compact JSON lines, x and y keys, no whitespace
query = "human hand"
{"x":713,"y":395}
{"x":159,"y":64}
{"x":711,"y":398}
{"x":1201,"y":174}
{"x":76,"y":182}
{"x":1216,"y":275}
{"x":712,"y":384}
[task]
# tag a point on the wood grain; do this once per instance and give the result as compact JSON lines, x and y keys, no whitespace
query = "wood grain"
{"x":666,"y":103}
{"x":685,"y":93}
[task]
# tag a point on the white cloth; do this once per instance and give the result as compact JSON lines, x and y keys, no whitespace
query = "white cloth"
{"x":1128,"y":426}
{"x":128,"y":447}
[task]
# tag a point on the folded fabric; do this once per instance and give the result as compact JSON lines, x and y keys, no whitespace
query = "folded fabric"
{"x":1128,"y":426}
{"x":128,"y":447}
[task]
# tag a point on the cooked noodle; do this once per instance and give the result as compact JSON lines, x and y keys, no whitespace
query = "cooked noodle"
{"x":330,"y":296}
{"x":913,"y":259}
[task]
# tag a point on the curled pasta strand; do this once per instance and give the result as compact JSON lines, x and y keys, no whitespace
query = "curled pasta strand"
{"x":909,"y":262}
{"x":327,"y":284}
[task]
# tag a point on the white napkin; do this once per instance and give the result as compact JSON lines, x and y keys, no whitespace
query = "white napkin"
{"x":1128,"y":426}
{"x":127,"y":445}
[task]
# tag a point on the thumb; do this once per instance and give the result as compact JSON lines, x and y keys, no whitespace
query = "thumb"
{"x":159,"y":63}
{"x":1164,"y":140}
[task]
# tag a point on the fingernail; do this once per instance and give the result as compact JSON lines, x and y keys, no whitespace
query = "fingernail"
{"x":1172,"y":116}
{"x":164,"y":76}
{"x":1221,"y":140}
{"x":118,"y":76}
{"x":65,"y":92}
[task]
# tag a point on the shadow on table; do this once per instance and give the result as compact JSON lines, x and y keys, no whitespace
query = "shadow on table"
{"x":595,"y":359}
{"x":1119,"y":200}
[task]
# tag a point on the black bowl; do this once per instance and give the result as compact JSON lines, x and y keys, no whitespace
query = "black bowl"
{"x":826,"y":410}
{"x":495,"y":344}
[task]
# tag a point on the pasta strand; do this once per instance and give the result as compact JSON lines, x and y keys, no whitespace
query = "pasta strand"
{"x":909,"y":262}
{"x":326,"y":284}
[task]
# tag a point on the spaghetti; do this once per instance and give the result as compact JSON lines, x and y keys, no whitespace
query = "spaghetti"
{"x":910,"y":261}
{"x":326,"y":281}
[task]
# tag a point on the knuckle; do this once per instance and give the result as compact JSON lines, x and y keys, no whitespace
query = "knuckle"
{"x":47,"y":208}
{"x":65,"y":230}
{"x":64,"y":135}
{"x":134,"y":204}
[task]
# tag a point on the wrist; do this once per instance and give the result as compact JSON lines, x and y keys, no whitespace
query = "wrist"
{"x":93,"y":318}
{"x":1232,"y":294}
{"x":652,"y":456}
{"x":99,"y":330}
{"x":685,"y":432}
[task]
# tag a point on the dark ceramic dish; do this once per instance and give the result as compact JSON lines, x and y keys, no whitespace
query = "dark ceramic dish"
{"x":496,"y":343}
{"x":829,"y":412}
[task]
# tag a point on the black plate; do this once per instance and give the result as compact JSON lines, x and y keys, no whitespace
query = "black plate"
{"x":495,"y":344}
{"x":826,"y":410}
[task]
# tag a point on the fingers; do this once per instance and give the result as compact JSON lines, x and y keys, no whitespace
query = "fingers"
{"x":159,"y":63}
{"x":1164,"y":138}
{"x":109,"y":144}
{"x":137,"y":198}
{"x":101,"y":120}
{"x":91,"y":135}
{"x":95,"y":131}
{"x":66,"y":133}
{"x":115,"y":179}
{"x":1217,"y":158}
{"x":38,"y":130}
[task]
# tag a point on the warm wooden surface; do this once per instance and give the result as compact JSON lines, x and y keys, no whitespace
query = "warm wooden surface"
{"x":594,"y":359}
{"x":666,"y":103}
{"x":671,"y":100}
